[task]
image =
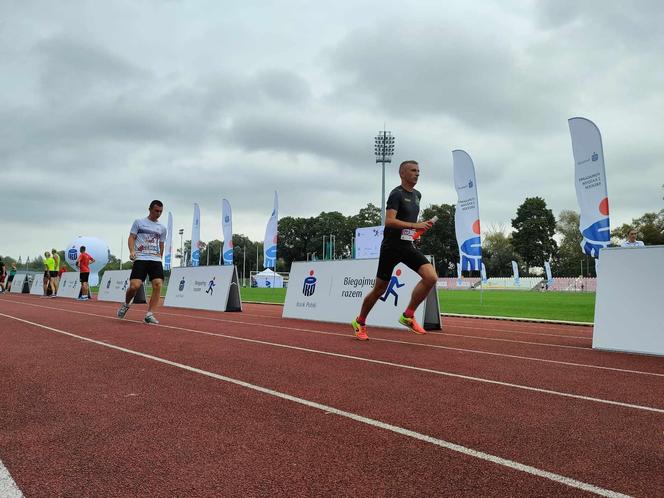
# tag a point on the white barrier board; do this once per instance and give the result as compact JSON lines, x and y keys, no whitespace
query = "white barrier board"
{"x":70,"y":285}
{"x":628,"y":306}
{"x":37,"y":287}
{"x":212,"y":288}
{"x":333,"y":291}
{"x":17,"y":283}
{"x":368,"y":241}
{"x":113,"y":287}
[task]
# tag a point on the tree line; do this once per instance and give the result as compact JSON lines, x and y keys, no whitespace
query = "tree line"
{"x":536,"y":236}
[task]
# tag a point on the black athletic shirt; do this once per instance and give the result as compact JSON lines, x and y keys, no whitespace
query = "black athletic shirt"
{"x":407,"y":205}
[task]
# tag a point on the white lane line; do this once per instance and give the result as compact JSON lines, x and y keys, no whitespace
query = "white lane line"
{"x":474,"y":337}
{"x":396,"y":365}
{"x":558,"y":478}
{"x":433,"y":346}
{"x":8,"y":487}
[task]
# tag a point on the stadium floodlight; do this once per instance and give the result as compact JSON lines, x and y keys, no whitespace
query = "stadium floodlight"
{"x":384,"y":150}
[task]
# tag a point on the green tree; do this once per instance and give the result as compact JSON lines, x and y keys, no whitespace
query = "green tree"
{"x":368,"y":216}
{"x":440,"y":240}
{"x":534,"y":227}
{"x":498,"y":254}
{"x":295,"y":239}
{"x":569,"y":257}
{"x":650,"y":228}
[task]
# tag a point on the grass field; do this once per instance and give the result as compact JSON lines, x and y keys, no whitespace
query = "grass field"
{"x":570,"y":306}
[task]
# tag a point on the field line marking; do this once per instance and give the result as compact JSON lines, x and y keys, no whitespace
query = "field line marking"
{"x":558,"y":478}
{"x":396,"y":365}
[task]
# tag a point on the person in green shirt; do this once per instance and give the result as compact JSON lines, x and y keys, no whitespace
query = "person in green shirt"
{"x":12,"y":274}
{"x":55,"y":276}
{"x":49,"y":269}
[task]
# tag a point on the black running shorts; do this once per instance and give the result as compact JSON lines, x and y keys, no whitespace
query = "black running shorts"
{"x":151,"y":269}
{"x":391,"y":254}
{"x":84,"y":276}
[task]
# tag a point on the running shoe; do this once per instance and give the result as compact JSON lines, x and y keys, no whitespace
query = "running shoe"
{"x":360,"y":330}
{"x":150,"y":318}
{"x":123,"y":310}
{"x":412,"y":324}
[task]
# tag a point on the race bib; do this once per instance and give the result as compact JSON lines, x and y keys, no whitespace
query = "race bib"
{"x":407,"y":234}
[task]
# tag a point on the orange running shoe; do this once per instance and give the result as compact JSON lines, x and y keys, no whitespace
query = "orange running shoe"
{"x":412,"y":324}
{"x":360,"y":330}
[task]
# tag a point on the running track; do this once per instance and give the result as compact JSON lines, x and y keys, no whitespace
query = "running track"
{"x":250,"y":404}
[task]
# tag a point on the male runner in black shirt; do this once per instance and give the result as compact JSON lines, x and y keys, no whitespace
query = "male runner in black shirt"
{"x":401,"y":211}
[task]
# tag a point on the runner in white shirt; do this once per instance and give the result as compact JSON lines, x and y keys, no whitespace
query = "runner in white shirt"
{"x":146,"y":248}
{"x":631,"y":240}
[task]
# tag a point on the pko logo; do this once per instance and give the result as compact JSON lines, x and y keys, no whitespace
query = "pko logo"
{"x":72,"y":254}
{"x":227,"y":219}
{"x":309,"y":286}
{"x":181,"y":286}
{"x":470,"y":184}
{"x":594,"y":157}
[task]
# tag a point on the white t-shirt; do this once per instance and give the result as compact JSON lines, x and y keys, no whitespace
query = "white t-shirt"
{"x":148,"y":236}
{"x":636,"y":243}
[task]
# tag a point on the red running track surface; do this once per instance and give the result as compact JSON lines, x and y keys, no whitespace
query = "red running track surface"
{"x":250,"y":404}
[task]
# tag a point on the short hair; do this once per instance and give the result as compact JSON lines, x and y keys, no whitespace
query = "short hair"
{"x":54,"y":250}
{"x":632,"y":230}
{"x":156,"y":203}
{"x":82,"y":248}
{"x":47,"y":254}
{"x":403,"y":165}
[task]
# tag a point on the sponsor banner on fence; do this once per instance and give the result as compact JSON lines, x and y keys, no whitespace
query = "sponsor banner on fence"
{"x":17,"y":283}
{"x":212,"y":288}
{"x":332,"y":291}
{"x":114,"y":285}
{"x":368,"y":241}
{"x":37,"y":287}
{"x":70,"y":284}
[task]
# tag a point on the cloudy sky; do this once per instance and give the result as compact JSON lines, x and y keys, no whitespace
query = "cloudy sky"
{"x":107,"y":105}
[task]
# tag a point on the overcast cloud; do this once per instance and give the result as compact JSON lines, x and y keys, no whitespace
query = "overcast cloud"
{"x":107,"y":105}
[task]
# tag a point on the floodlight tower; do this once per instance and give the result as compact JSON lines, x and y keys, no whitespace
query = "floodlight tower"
{"x":384,"y":151}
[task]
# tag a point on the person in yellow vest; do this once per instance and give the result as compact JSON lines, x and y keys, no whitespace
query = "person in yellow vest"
{"x":55,"y":276}
{"x":49,"y":269}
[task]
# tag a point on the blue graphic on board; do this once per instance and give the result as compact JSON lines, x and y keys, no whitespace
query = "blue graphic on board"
{"x":391,"y":286}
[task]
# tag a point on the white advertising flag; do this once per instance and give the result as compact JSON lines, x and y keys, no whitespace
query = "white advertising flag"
{"x":515,"y":271}
{"x":590,"y":181}
{"x":547,"y":269}
{"x":484,"y":277}
{"x":196,"y":237}
{"x":168,"y":247}
{"x":467,"y":214}
{"x":459,"y":275}
{"x":270,"y":241}
{"x":227,"y":227}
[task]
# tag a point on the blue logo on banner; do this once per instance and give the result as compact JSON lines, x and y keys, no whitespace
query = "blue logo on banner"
{"x":470,"y":184}
{"x":227,"y":219}
{"x":471,"y":254}
{"x":596,"y":237}
{"x":270,"y":256}
{"x":195,"y":257}
{"x":228,"y":257}
{"x":72,"y":254}
{"x":594,"y":157}
{"x":181,"y":286}
{"x":394,"y":284}
{"x":309,"y":286}
{"x":211,"y":284}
